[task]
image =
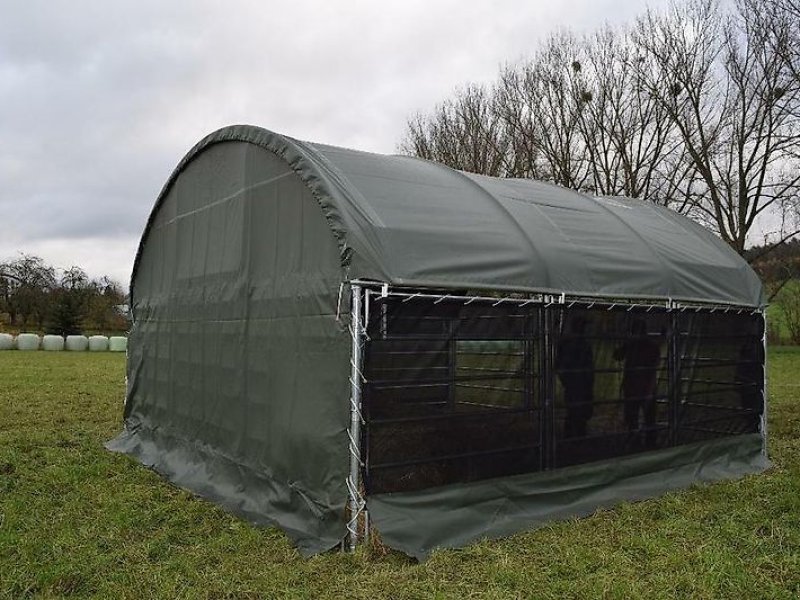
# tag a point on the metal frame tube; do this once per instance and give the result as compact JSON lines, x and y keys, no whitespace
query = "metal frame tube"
{"x":764,"y":413}
{"x":548,"y":388}
{"x":589,"y":301}
{"x":673,"y":374}
{"x":356,"y":501}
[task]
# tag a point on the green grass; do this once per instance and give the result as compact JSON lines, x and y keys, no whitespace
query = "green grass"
{"x":76,"y":520}
{"x":775,"y":314}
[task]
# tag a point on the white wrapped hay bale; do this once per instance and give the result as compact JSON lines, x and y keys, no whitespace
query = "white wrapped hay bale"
{"x":6,"y":341}
{"x":98,"y":343}
{"x":117,"y":343}
{"x":53,"y":343}
{"x":27,"y":341}
{"x":77,"y":343}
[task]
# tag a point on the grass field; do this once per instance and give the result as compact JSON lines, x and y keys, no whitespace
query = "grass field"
{"x":777,"y":319}
{"x":76,"y":520}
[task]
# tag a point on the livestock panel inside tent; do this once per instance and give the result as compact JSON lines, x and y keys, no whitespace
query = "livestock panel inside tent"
{"x":453,"y":392}
{"x":632,"y":379}
{"x":460,"y":388}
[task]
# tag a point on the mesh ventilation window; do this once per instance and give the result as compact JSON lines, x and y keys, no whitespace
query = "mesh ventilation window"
{"x":459,"y":391}
{"x":611,"y":384}
{"x":721,"y":375}
{"x":451,"y":393}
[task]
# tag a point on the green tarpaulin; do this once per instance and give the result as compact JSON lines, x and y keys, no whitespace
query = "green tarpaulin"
{"x":238,"y":359}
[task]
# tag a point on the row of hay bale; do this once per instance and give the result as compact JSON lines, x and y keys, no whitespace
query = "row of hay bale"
{"x":56,"y":343}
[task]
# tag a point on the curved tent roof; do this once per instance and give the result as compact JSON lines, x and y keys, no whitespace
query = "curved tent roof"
{"x":411,"y":222}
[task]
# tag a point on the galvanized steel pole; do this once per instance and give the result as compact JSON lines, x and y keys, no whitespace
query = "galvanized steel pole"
{"x":765,"y":403}
{"x":354,"y":433}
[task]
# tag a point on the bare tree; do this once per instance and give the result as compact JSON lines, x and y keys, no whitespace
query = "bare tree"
{"x":579,"y":115}
{"x":632,"y":145}
{"x":694,"y":108}
{"x":576,"y":114}
{"x":783,"y":16}
{"x":464,"y":133}
{"x":27,"y":282}
{"x":68,"y":302}
{"x":553,"y":91}
{"x":34,"y":293}
{"x":733,"y":102}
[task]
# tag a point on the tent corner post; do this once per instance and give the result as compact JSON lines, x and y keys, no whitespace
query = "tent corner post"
{"x":765,"y":403}
{"x":356,"y":502}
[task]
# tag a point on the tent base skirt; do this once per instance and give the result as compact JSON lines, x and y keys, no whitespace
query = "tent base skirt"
{"x":238,"y":488}
{"x":456,"y":515}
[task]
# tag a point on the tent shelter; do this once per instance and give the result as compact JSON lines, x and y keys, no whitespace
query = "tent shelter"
{"x":333,"y":341}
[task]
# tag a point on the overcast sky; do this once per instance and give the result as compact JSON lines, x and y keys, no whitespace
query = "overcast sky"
{"x":99,"y":100}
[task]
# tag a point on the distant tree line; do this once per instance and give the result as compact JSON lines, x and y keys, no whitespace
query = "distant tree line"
{"x":35,"y":295}
{"x":776,"y":263}
{"x":695,"y":107}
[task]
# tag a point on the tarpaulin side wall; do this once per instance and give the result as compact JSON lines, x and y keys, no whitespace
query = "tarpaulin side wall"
{"x":456,"y":515}
{"x":238,"y":369}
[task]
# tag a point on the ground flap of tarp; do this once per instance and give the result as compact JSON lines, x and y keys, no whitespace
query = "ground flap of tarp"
{"x":455,"y":515}
{"x":237,"y":488}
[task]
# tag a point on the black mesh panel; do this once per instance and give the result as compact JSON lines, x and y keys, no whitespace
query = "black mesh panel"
{"x":612,"y":378}
{"x":450,"y":393}
{"x":721,"y":375}
{"x":460,"y":390}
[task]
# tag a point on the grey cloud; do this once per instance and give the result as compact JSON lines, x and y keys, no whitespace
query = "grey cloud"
{"x":99,"y":100}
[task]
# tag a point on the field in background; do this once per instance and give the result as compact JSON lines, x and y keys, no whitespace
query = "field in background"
{"x":787,"y":298}
{"x":77,"y":520}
